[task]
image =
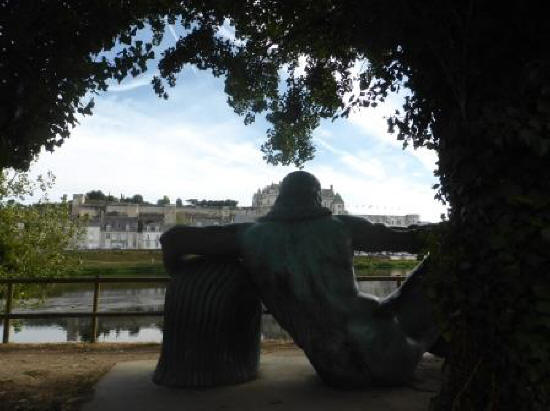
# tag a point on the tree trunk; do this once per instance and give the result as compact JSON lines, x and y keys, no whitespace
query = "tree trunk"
{"x":493,"y":280}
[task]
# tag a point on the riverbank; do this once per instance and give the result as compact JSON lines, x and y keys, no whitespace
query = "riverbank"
{"x":367,"y":265}
{"x":149,"y":263}
{"x":118,"y":262}
{"x":60,"y":377}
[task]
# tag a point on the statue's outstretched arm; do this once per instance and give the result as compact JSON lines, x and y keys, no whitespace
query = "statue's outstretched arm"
{"x":367,"y":236}
{"x":210,"y":241}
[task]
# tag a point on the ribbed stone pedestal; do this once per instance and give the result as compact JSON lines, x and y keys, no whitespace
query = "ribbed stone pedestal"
{"x":211,"y":326}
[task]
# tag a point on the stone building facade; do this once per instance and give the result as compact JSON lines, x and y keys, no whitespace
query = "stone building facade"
{"x":114,"y":225}
{"x":393,"y":220}
{"x":264,"y":199}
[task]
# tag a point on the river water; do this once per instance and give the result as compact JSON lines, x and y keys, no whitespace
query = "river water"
{"x":123,"y":297}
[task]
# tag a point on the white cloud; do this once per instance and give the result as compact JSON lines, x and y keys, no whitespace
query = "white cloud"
{"x":140,"y":81}
{"x":193,"y":146}
{"x":120,"y":151}
{"x":360,"y":162}
{"x":373,"y":122}
{"x":171,"y":29}
{"x":396,"y":195}
{"x":375,"y":175}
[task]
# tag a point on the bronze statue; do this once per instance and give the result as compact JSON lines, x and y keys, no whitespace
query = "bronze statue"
{"x":300,"y":259}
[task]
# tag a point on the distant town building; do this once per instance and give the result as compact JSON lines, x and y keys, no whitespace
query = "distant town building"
{"x":264,"y":199}
{"x":393,"y":220}
{"x":114,"y":225}
{"x":121,"y":225}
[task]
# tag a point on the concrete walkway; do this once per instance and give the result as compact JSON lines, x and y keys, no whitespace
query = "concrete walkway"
{"x":287,"y":382}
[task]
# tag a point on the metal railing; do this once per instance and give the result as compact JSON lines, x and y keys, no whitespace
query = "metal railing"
{"x":95,"y":313}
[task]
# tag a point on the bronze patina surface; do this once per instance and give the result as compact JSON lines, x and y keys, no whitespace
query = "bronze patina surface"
{"x":300,"y":259}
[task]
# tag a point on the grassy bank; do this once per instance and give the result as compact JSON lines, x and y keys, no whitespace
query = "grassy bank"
{"x":366,"y":265}
{"x":118,"y":262}
{"x":149,"y":262}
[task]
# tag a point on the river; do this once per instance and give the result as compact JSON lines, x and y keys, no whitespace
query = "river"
{"x":119,"y":297}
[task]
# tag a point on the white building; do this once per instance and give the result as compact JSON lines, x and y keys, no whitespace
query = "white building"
{"x":393,"y":220}
{"x":139,"y":226}
{"x":91,"y":237}
{"x":265,"y":198}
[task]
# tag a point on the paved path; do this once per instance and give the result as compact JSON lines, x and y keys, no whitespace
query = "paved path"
{"x":287,"y":382}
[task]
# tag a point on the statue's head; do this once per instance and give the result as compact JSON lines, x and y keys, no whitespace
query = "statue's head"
{"x":299,"y":198}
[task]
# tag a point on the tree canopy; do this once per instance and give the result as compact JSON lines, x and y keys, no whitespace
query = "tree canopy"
{"x":98,"y":195}
{"x":33,"y":238}
{"x":476,"y":80}
{"x":55,"y":55}
{"x":212,"y":203}
{"x":165,"y":200}
{"x":137,"y":199}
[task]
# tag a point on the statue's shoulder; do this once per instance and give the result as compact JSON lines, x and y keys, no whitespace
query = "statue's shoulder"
{"x":350,"y":219}
{"x":260,"y":227}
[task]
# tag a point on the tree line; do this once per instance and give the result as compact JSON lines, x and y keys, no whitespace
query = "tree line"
{"x":212,"y":203}
{"x":98,"y":195}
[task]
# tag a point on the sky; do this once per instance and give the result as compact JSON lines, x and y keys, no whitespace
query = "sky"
{"x":194,"y":146}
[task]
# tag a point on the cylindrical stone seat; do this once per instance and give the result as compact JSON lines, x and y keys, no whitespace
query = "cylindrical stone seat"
{"x":212,"y":319}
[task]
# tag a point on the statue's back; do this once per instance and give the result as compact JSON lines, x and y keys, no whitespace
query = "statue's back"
{"x":304,"y":271}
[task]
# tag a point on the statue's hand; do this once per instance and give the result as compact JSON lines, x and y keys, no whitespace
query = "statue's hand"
{"x":182,"y":240}
{"x":422,"y":234}
{"x":167,"y":238}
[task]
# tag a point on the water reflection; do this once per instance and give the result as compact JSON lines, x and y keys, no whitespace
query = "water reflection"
{"x":119,"y":297}
{"x":378,"y":288}
{"x":78,"y":298}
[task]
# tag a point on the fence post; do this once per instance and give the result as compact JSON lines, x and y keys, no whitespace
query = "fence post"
{"x":398,"y":282}
{"x":7,"y":312}
{"x":94,"y":309}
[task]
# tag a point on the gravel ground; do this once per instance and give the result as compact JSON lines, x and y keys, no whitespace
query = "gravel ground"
{"x":60,"y":377}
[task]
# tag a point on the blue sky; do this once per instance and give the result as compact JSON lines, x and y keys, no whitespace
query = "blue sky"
{"x":193,"y":146}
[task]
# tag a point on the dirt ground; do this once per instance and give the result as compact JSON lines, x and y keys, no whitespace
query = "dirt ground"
{"x":60,"y":377}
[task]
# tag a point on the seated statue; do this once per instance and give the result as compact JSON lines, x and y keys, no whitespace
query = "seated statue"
{"x":300,"y":258}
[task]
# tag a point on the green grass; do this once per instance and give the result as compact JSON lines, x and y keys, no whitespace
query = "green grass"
{"x":118,"y":262}
{"x":365,"y":265}
{"x":121,"y":270}
{"x":114,"y":256}
{"x":149,"y":263}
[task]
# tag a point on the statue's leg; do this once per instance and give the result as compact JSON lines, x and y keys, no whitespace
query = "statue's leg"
{"x":385,"y":352}
{"x":393,"y":337}
{"x":211,"y":326}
